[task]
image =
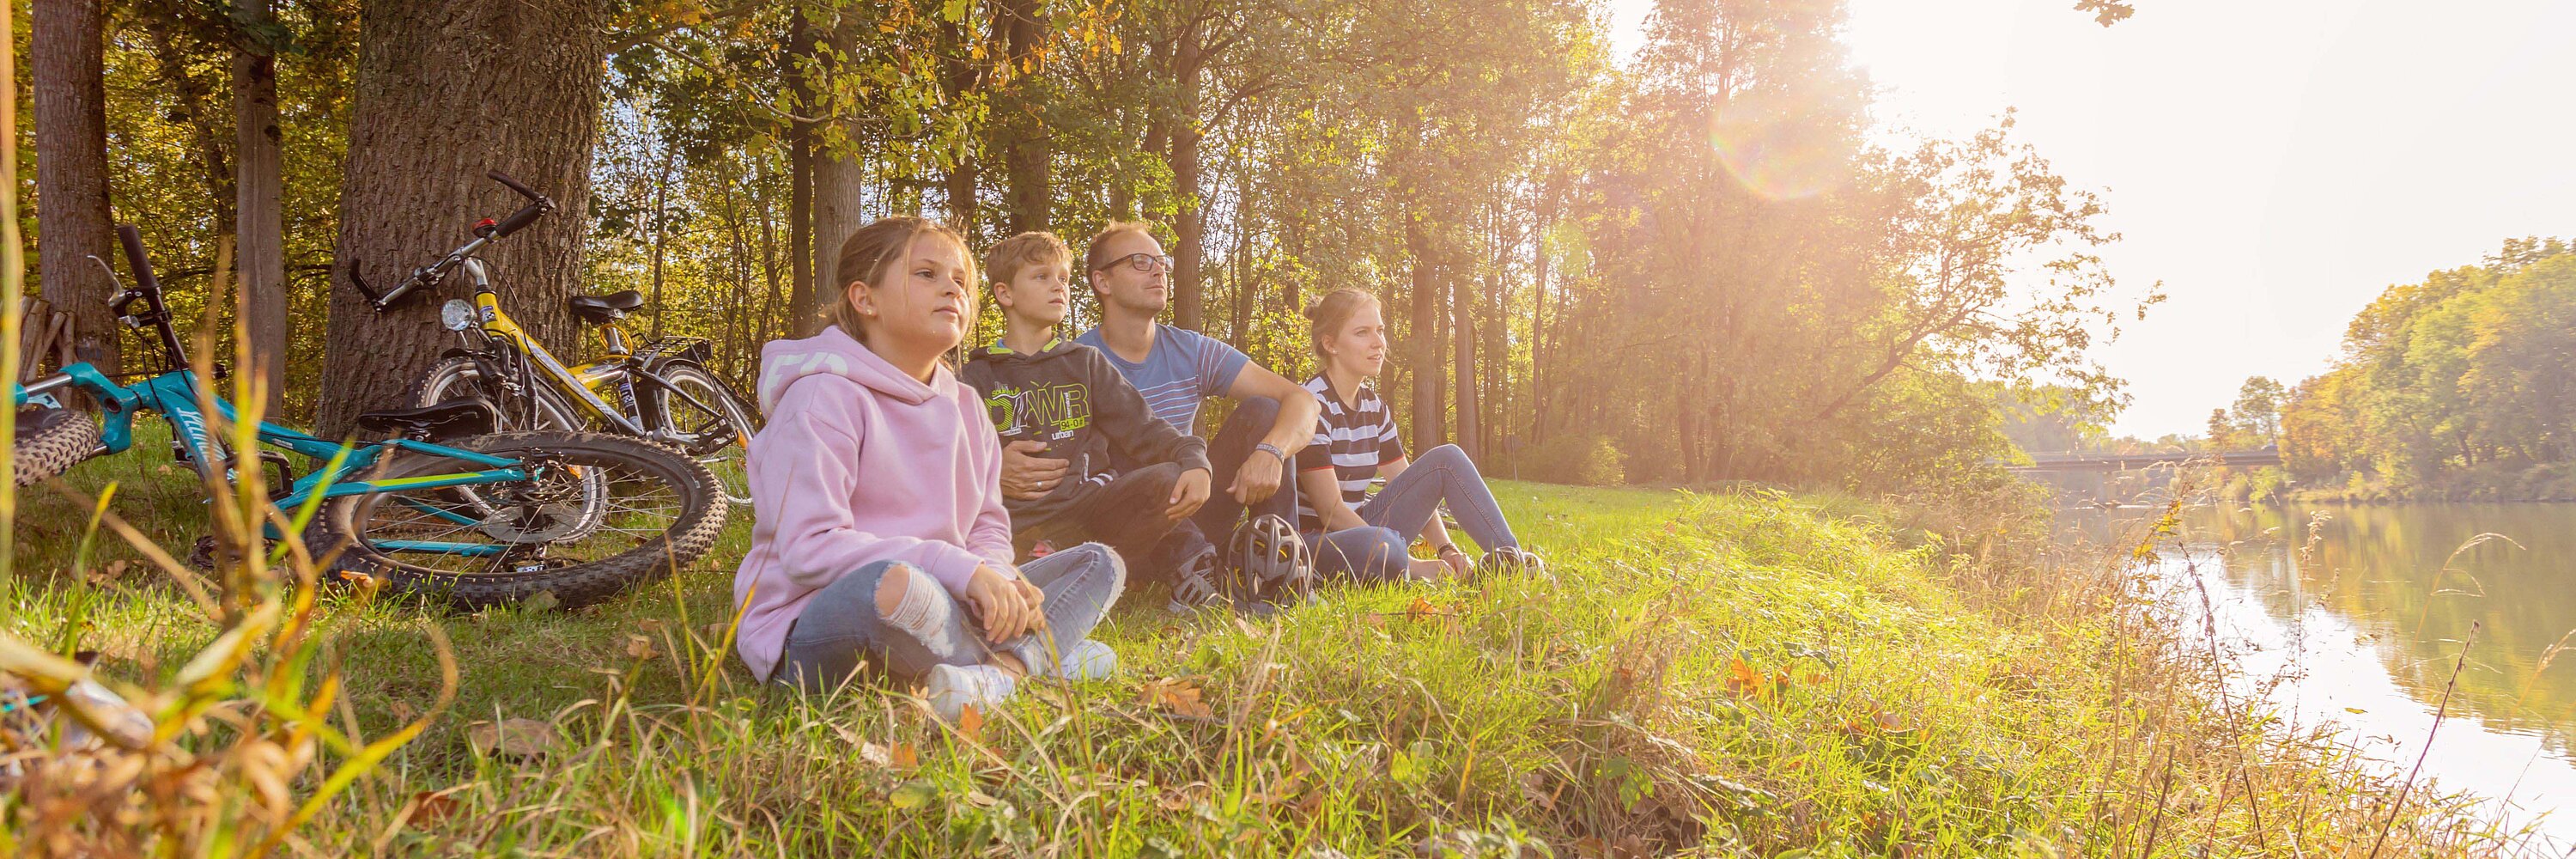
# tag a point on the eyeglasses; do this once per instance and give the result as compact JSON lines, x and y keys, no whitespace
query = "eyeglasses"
{"x":1147,"y":263}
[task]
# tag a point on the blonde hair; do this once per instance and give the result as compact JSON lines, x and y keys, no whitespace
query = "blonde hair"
{"x":1328,"y":312}
{"x":1034,"y":248}
{"x":873,"y":249}
{"x":1091,"y":260}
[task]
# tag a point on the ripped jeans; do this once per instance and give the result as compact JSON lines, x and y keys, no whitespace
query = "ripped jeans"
{"x":841,"y":629}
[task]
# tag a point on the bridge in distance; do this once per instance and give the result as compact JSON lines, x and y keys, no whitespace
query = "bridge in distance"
{"x":2059,"y":462}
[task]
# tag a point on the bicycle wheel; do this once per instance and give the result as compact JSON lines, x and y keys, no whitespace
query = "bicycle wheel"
{"x":50,"y":441}
{"x":720,"y":439}
{"x":601,"y":514}
{"x":460,"y":377}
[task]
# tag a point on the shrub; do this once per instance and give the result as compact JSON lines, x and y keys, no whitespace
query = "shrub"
{"x":1583,"y":458}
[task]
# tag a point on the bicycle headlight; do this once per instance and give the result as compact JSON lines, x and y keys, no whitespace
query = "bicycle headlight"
{"x":456,"y":314}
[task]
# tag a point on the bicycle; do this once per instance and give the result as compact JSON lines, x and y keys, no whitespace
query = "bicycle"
{"x":662,"y":391}
{"x":445,"y":507}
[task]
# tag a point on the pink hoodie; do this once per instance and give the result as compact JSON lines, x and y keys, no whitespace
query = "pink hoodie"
{"x":861,"y":463}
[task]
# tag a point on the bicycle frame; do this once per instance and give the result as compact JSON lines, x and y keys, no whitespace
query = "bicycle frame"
{"x":174,"y":395}
{"x":587,"y":386}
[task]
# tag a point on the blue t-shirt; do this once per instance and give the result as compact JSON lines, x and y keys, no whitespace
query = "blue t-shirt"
{"x":1184,"y":369}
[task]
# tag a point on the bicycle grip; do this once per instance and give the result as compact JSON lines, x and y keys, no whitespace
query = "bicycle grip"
{"x":519,"y":220}
{"x":503,"y":178}
{"x":135,"y":259}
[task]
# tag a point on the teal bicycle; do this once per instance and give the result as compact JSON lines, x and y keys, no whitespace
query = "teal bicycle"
{"x":441,"y":507}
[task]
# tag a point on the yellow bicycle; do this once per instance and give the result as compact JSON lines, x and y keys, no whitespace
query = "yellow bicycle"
{"x":662,"y":391}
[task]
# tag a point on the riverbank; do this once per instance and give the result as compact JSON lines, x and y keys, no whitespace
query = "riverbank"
{"x":1756,"y":674}
{"x":2552,"y":482}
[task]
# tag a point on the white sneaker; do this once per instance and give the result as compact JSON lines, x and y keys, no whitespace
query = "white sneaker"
{"x":1085,"y":660}
{"x":953,"y":688}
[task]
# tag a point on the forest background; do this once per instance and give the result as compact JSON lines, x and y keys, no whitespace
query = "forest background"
{"x":1701,"y":265}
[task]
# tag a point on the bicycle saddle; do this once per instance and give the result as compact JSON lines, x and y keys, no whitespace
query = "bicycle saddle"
{"x":604,"y":309}
{"x":445,"y":420}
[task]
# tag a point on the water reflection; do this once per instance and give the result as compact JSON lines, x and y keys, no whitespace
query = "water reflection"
{"x":2367,"y":609}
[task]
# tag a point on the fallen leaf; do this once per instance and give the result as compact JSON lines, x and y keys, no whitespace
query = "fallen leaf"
{"x":1176,"y":695}
{"x":1422,"y":608}
{"x":1741,"y":679}
{"x":970,"y":724}
{"x":913,"y":794}
{"x":903,"y":756}
{"x":432,"y":807}
{"x":640,"y":646}
{"x":512,"y":738}
{"x":112,"y":571}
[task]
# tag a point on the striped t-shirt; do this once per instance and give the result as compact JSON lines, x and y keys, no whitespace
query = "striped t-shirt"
{"x":1352,"y":440}
{"x":1183,"y":370}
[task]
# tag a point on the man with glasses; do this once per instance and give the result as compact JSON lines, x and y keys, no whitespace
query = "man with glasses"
{"x":1177,"y":370}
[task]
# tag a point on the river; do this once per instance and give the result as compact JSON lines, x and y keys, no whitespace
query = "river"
{"x":2365,"y":611}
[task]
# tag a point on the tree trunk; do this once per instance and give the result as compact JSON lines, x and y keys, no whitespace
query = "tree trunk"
{"x":839,"y":188}
{"x":1462,"y":308}
{"x":1021,"y":131}
{"x":804,"y":309}
{"x":1189,"y":221}
{"x":962,"y":79}
{"x":67,"y":58}
{"x":195,"y":109}
{"x":763,"y":202}
{"x":1428,"y":336}
{"x":1538,"y":374}
{"x":433,"y":77}
{"x":259,"y":218}
{"x":662,"y":232}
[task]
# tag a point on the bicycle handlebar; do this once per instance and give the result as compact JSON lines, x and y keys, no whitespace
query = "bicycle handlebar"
{"x":537,"y":207}
{"x":504,"y":178}
{"x":135,"y":259}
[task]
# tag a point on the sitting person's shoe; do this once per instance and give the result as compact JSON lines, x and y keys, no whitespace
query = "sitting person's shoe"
{"x":1273,"y":567}
{"x":1085,"y":660}
{"x":1510,"y":560}
{"x":1194,"y":584}
{"x":953,"y":688}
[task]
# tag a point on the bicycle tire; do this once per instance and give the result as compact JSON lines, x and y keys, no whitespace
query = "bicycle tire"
{"x":689,"y":537}
{"x":658,"y":404}
{"x":435,"y":386}
{"x":50,"y":441}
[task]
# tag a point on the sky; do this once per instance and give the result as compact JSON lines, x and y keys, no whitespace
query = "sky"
{"x":2275,"y":164}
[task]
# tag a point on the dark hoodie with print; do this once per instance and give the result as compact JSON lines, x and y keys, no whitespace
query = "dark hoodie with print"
{"x":1069,"y":397}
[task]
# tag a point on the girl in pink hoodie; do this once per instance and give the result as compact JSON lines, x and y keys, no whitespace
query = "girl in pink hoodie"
{"x":881,"y":537}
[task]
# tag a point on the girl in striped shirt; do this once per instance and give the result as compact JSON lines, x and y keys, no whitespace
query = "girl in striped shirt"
{"x":1369,"y":537}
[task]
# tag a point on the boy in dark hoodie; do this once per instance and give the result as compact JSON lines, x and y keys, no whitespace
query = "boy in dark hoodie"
{"x":1064,"y":405}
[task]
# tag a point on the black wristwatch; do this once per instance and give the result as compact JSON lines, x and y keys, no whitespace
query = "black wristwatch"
{"x":1274,"y":451}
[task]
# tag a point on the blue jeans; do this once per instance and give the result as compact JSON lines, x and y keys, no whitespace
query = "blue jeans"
{"x":1398,"y":513}
{"x":841,"y":629}
{"x":1235,"y":443}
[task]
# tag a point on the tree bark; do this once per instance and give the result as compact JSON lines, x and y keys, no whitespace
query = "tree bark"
{"x":1021,"y":133}
{"x":447,"y":89}
{"x":259,"y":219}
{"x":1189,"y":223}
{"x":1462,"y":309}
{"x":1428,"y":334}
{"x":804,"y":310}
{"x":67,"y":58}
{"x":962,"y":79}
{"x":839,"y":190}
{"x":1538,"y":374}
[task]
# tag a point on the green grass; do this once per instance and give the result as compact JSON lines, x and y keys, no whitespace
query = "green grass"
{"x":1750,"y":674}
